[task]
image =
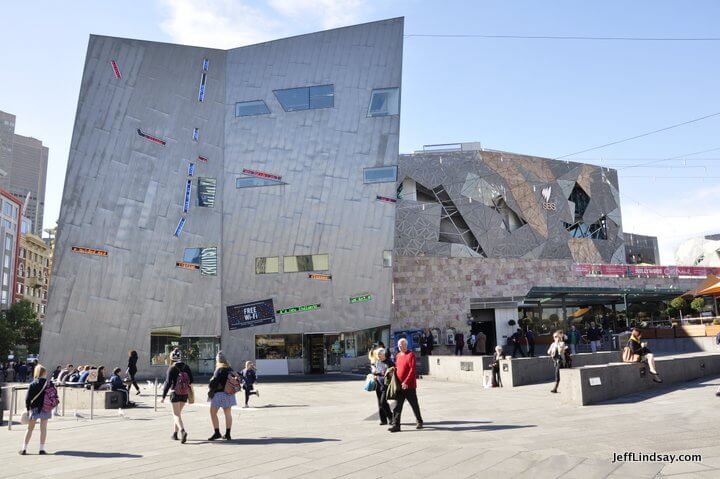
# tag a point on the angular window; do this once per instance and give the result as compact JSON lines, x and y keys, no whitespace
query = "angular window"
{"x":253,"y":181}
{"x":267,"y":265}
{"x":201,"y":91}
{"x":208,"y":261}
{"x":207,"y":188}
{"x":384,"y":102}
{"x":382,"y":174}
{"x":306,"y":98}
{"x":192,"y":255}
{"x":387,"y":258}
{"x":302,"y":263}
{"x":196,"y":134}
{"x":251,"y":108}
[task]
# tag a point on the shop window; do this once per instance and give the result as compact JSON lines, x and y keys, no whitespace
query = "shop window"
{"x":306,"y":98}
{"x":207,"y":187}
{"x":278,"y":346}
{"x":382,"y":174}
{"x":267,"y":265}
{"x":302,"y":263}
{"x":387,"y":259}
{"x":208,"y":261}
{"x":384,"y":102}
{"x":251,"y":108}
{"x":198,"y":352}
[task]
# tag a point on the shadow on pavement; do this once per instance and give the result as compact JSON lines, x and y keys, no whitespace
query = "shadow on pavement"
{"x":269,"y":440}
{"x":91,"y":454}
{"x":266,"y":406}
{"x":446,"y":426}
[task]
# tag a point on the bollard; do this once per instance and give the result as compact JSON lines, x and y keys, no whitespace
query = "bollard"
{"x":63,"y":400}
{"x":92,"y":400}
{"x":12,"y":408}
{"x":155,"y":394}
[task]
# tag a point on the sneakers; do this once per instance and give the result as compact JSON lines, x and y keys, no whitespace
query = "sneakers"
{"x":227,"y":436}
{"x":217,"y":435}
{"x":419,"y":425}
{"x":394,"y":429}
{"x":22,"y":452}
{"x":184,"y":437}
{"x":174,"y":437}
{"x":42,"y":452}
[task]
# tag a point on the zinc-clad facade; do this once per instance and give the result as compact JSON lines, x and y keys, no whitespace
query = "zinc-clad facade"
{"x":124,"y":195}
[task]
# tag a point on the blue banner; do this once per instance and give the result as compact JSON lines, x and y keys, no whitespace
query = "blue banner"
{"x":186,"y":203}
{"x":180,"y":226}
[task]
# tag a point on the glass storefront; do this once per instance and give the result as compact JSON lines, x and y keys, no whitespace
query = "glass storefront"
{"x":278,"y":346}
{"x":198,"y":352}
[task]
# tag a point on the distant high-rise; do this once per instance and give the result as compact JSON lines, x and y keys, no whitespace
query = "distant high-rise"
{"x":24,"y":160}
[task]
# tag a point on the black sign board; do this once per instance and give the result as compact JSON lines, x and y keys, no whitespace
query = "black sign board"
{"x":252,"y":314}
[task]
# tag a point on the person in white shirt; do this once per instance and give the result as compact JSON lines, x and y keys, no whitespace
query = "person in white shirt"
{"x":557,"y":352}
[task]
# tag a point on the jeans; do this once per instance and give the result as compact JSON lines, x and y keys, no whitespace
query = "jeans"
{"x":383,"y":406}
{"x":572,"y":349}
{"x":411,"y":396}
{"x":594,"y":345}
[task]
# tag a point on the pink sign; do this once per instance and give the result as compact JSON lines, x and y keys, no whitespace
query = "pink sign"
{"x":583,"y":269}
{"x":650,"y":271}
{"x":613,"y":269}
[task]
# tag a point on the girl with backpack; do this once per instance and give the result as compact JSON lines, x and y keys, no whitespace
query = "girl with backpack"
{"x":178,"y":380}
{"x":221,"y":392}
{"x":249,"y":377}
{"x":40,"y":400}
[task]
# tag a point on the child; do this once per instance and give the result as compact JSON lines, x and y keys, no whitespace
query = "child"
{"x":249,"y":377}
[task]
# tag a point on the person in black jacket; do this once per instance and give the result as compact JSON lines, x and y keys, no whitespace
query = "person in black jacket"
{"x":429,"y":342}
{"x":178,"y":379}
{"x":117,"y":384}
{"x":219,"y":399}
{"x":132,"y":369}
{"x":34,"y":400}
{"x":642,"y":352}
{"x":495,"y":366}
{"x":379,"y":368}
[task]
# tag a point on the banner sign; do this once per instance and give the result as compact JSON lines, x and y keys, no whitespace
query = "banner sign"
{"x":361,"y":299}
{"x":150,"y":137}
{"x":184,"y":265}
{"x":116,"y":70}
{"x":385,"y":199}
{"x":186,"y":202}
{"x":613,"y":270}
{"x":261,"y":174}
{"x":634,"y":270}
{"x":650,"y":271}
{"x":320,"y":277}
{"x":80,"y":249}
{"x":180,"y":226}
{"x":248,"y":315}
{"x":298,"y":309}
{"x":191,"y":169}
{"x":584,"y":269}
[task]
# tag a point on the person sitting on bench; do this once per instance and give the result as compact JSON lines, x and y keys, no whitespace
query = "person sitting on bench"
{"x":117,"y":384}
{"x":640,"y":352}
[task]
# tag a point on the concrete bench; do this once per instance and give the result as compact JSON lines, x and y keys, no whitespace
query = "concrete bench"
{"x":594,"y":384}
{"x":463,"y":369}
{"x":522,"y":371}
{"x":72,"y":398}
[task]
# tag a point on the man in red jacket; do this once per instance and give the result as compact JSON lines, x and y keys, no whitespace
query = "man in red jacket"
{"x":405,"y":370}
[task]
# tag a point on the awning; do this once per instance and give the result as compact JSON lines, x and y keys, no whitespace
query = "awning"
{"x":580,"y":312}
{"x":708,"y":282}
{"x":712,"y":290}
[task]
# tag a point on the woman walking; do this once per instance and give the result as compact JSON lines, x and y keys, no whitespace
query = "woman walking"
{"x":39,"y":407}
{"x":221,"y":391}
{"x":495,"y":366}
{"x":557,"y":352}
{"x":132,"y":369}
{"x":249,"y":377}
{"x":179,"y":380}
{"x":379,"y":369}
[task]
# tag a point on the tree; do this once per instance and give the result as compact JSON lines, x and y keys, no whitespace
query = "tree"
{"x":679,"y":303}
{"x":19,"y":325}
{"x":697,"y":304}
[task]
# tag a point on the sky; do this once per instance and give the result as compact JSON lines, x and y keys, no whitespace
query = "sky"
{"x":538,"y":97}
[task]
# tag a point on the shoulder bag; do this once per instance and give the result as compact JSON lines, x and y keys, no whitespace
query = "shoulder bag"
{"x":628,"y":356}
{"x":25,"y":417}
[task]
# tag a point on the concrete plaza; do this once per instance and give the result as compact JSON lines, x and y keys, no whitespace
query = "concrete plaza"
{"x":327,"y":429}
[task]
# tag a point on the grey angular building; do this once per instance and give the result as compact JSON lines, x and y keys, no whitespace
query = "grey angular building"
{"x":241,"y":199}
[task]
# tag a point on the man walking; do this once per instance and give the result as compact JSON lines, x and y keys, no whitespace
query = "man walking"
{"x":530,"y":335}
{"x":405,"y":371}
{"x":516,"y":340}
{"x":573,"y":339}
{"x":429,"y":342}
{"x":459,"y":344}
{"x":593,"y":335}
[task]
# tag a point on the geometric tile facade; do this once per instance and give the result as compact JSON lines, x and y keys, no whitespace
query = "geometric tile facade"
{"x":515,"y":206}
{"x":139,"y":125}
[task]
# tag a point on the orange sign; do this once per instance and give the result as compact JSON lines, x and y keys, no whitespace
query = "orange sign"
{"x":320,"y":277}
{"x":184,"y":265}
{"x":80,"y":249}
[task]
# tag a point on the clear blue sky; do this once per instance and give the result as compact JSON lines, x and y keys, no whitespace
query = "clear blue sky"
{"x":540,"y":97}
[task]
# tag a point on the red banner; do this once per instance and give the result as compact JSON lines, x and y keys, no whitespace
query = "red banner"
{"x":613,"y":269}
{"x":116,"y":70}
{"x":650,"y":271}
{"x":261,"y":174}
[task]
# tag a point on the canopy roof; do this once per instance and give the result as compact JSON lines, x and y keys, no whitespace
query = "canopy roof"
{"x":709,"y":282}
{"x":712,"y":290}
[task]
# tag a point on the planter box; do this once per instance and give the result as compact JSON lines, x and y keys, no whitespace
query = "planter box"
{"x":648,"y":333}
{"x":665,"y":333}
{"x":690,"y":331}
{"x":712,"y":330}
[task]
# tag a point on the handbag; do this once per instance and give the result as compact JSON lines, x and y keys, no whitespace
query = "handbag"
{"x":370,"y":383}
{"x":628,"y":356}
{"x":25,"y":417}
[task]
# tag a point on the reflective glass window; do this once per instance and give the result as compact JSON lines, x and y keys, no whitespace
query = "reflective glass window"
{"x":192,"y":255}
{"x":385,"y":101}
{"x":383,"y":174}
{"x":207,"y":188}
{"x":208,"y":261}
{"x":387,"y":259}
{"x":314,"y":97}
{"x":314,"y":262}
{"x":252,"y":181}
{"x":322,"y":96}
{"x":251,"y":108}
{"x":267,"y":265}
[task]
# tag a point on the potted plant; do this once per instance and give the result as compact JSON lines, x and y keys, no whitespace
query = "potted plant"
{"x":511,"y":322}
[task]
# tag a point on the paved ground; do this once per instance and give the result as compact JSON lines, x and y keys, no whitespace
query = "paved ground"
{"x":329,"y":429}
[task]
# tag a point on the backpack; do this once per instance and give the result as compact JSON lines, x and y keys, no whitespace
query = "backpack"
{"x":233,"y":383}
{"x":51,"y":400}
{"x":182,"y":384}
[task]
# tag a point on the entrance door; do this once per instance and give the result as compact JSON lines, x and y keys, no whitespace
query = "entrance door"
{"x":334,"y":351}
{"x":316,"y":346}
{"x":484,"y":320}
